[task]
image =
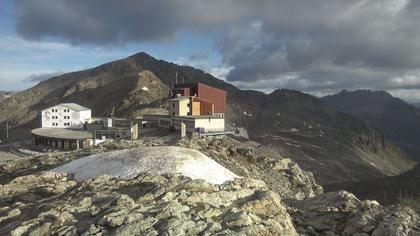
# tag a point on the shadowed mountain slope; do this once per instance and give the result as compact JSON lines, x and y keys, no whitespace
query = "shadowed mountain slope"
{"x":396,"y":119}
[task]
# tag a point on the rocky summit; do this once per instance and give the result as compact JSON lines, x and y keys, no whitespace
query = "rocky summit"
{"x":50,"y":203}
{"x":272,"y":197}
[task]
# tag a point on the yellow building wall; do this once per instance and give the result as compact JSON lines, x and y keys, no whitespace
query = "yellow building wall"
{"x":210,"y":124}
{"x":179,"y":107}
{"x":196,"y":109}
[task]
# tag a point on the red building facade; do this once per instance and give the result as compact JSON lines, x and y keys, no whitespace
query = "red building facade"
{"x":204,"y":92}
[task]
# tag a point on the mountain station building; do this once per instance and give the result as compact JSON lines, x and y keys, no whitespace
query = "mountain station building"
{"x":70,"y":126}
{"x":200,"y":107}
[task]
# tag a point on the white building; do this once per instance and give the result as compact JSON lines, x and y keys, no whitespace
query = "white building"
{"x":65,"y":115}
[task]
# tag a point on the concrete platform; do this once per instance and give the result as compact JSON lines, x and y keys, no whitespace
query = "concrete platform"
{"x":60,"y":133}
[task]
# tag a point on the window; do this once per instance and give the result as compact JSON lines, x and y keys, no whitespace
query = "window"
{"x":165,"y":122}
{"x":54,"y":110}
{"x":67,"y":117}
{"x":67,"y":124}
{"x":54,"y":124}
{"x":173,"y":105}
{"x":173,"y":113}
{"x":66,"y":110}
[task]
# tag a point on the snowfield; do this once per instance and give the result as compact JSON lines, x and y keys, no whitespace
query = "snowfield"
{"x":158,"y":160}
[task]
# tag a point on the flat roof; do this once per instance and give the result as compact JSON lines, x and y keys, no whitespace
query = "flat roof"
{"x":185,"y":117}
{"x":196,"y":84}
{"x":74,"y":106}
{"x":156,"y":115}
{"x":71,"y":106}
{"x":200,"y":117}
{"x":61,"y":133}
{"x":180,"y":98}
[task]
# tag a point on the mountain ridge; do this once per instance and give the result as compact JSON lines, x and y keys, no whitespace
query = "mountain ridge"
{"x":395,"y":118}
{"x":335,"y":140}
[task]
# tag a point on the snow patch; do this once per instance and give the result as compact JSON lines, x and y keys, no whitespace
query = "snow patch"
{"x":157,"y":160}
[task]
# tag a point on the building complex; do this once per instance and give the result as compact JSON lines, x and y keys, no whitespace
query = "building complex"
{"x":197,"y":107}
{"x":71,"y":126}
{"x":200,"y":107}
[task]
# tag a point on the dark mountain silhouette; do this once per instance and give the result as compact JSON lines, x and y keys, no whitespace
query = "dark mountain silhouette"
{"x":395,"y":118}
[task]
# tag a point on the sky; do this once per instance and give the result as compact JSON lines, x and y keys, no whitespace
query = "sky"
{"x":319,"y":47}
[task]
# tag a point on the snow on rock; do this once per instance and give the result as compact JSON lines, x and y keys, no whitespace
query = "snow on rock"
{"x":158,"y":160}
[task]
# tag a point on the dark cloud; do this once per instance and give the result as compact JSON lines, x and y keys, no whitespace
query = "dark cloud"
{"x":308,"y":45}
{"x":113,"y":21}
{"x":42,"y":76}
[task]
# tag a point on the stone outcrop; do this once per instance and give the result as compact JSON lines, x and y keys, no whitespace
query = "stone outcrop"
{"x":275,"y":197}
{"x":341,"y":213}
{"x":50,"y":203}
{"x":250,"y":159}
{"x":144,"y":205}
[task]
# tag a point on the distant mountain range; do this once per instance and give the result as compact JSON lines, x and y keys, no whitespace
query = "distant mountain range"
{"x":395,"y":118}
{"x":333,"y":145}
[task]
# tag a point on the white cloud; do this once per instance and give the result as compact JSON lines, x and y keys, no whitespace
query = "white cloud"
{"x":220,"y":72}
{"x":9,"y":43}
{"x":39,"y":77}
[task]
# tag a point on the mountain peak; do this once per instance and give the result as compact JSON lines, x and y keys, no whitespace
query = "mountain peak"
{"x":141,"y":55}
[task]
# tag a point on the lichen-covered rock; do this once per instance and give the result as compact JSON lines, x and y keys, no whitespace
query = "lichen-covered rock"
{"x":249,"y":159}
{"x":145,"y":205}
{"x":341,"y":213}
{"x":275,"y":197}
{"x":377,"y":220}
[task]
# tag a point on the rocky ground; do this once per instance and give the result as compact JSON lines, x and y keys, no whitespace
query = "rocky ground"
{"x":276,"y":197}
{"x":51,"y":203}
{"x":250,"y":159}
{"x":5,"y":155}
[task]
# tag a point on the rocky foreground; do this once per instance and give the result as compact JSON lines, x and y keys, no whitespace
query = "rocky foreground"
{"x":275,"y":197}
{"x":50,"y":203}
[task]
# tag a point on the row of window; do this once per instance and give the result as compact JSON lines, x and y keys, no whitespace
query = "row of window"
{"x":173,"y":105}
{"x":65,"y":124}
{"x":56,"y":110}
{"x":165,"y":122}
{"x":65,"y":117}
